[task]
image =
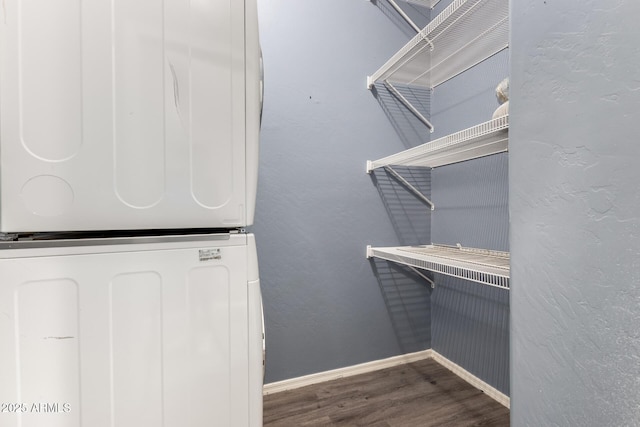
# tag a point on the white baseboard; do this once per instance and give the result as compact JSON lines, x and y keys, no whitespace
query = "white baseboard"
{"x":489,"y":390}
{"x":349,"y":371}
{"x":363,"y":368}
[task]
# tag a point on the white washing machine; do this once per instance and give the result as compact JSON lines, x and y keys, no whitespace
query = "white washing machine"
{"x":131,"y":332}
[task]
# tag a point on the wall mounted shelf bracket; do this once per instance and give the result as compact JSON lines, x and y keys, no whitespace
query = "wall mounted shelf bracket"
{"x":370,"y":254}
{"x":404,"y":15}
{"x":395,"y":92}
{"x":424,"y":276}
{"x":410,"y":187}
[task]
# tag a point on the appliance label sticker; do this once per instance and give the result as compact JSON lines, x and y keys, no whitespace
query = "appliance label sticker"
{"x":210,"y":254}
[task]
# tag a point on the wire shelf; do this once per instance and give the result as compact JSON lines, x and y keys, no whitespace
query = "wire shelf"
{"x":477,"y":265}
{"x":478,"y":141}
{"x":426,"y":3}
{"x":466,"y":33}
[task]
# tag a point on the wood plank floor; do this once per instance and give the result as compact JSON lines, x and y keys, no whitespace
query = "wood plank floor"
{"x":418,"y":394}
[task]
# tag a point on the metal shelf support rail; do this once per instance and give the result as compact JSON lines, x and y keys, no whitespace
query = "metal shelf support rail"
{"x":424,"y":276}
{"x":485,"y":139}
{"x":404,"y":15}
{"x":409,"y":105}
{"x":410,"y":187}
{"x":477,"y":265}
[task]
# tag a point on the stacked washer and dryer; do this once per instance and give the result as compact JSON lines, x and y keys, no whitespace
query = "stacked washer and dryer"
{"x":129,"y":288}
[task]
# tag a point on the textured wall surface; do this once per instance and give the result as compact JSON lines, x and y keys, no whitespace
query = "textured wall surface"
{"x":327,"y":306}
{"x":575,"y":213}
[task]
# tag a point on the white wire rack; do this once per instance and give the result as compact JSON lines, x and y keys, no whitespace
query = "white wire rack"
{"x":477,"y":265}
{"x":426,"y":3}
{"x":478,"y":141}
{"x":466,"y":33}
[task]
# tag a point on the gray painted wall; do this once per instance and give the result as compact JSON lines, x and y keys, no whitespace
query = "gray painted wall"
{"x":575,"y":203}
{"x":327,"y":306}
{"x":470,"y":322}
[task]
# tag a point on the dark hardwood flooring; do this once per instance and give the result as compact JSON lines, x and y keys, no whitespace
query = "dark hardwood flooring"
{"x":419,"y":394}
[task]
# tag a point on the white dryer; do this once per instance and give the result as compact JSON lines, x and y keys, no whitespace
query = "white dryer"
{"x":128,"y":114}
